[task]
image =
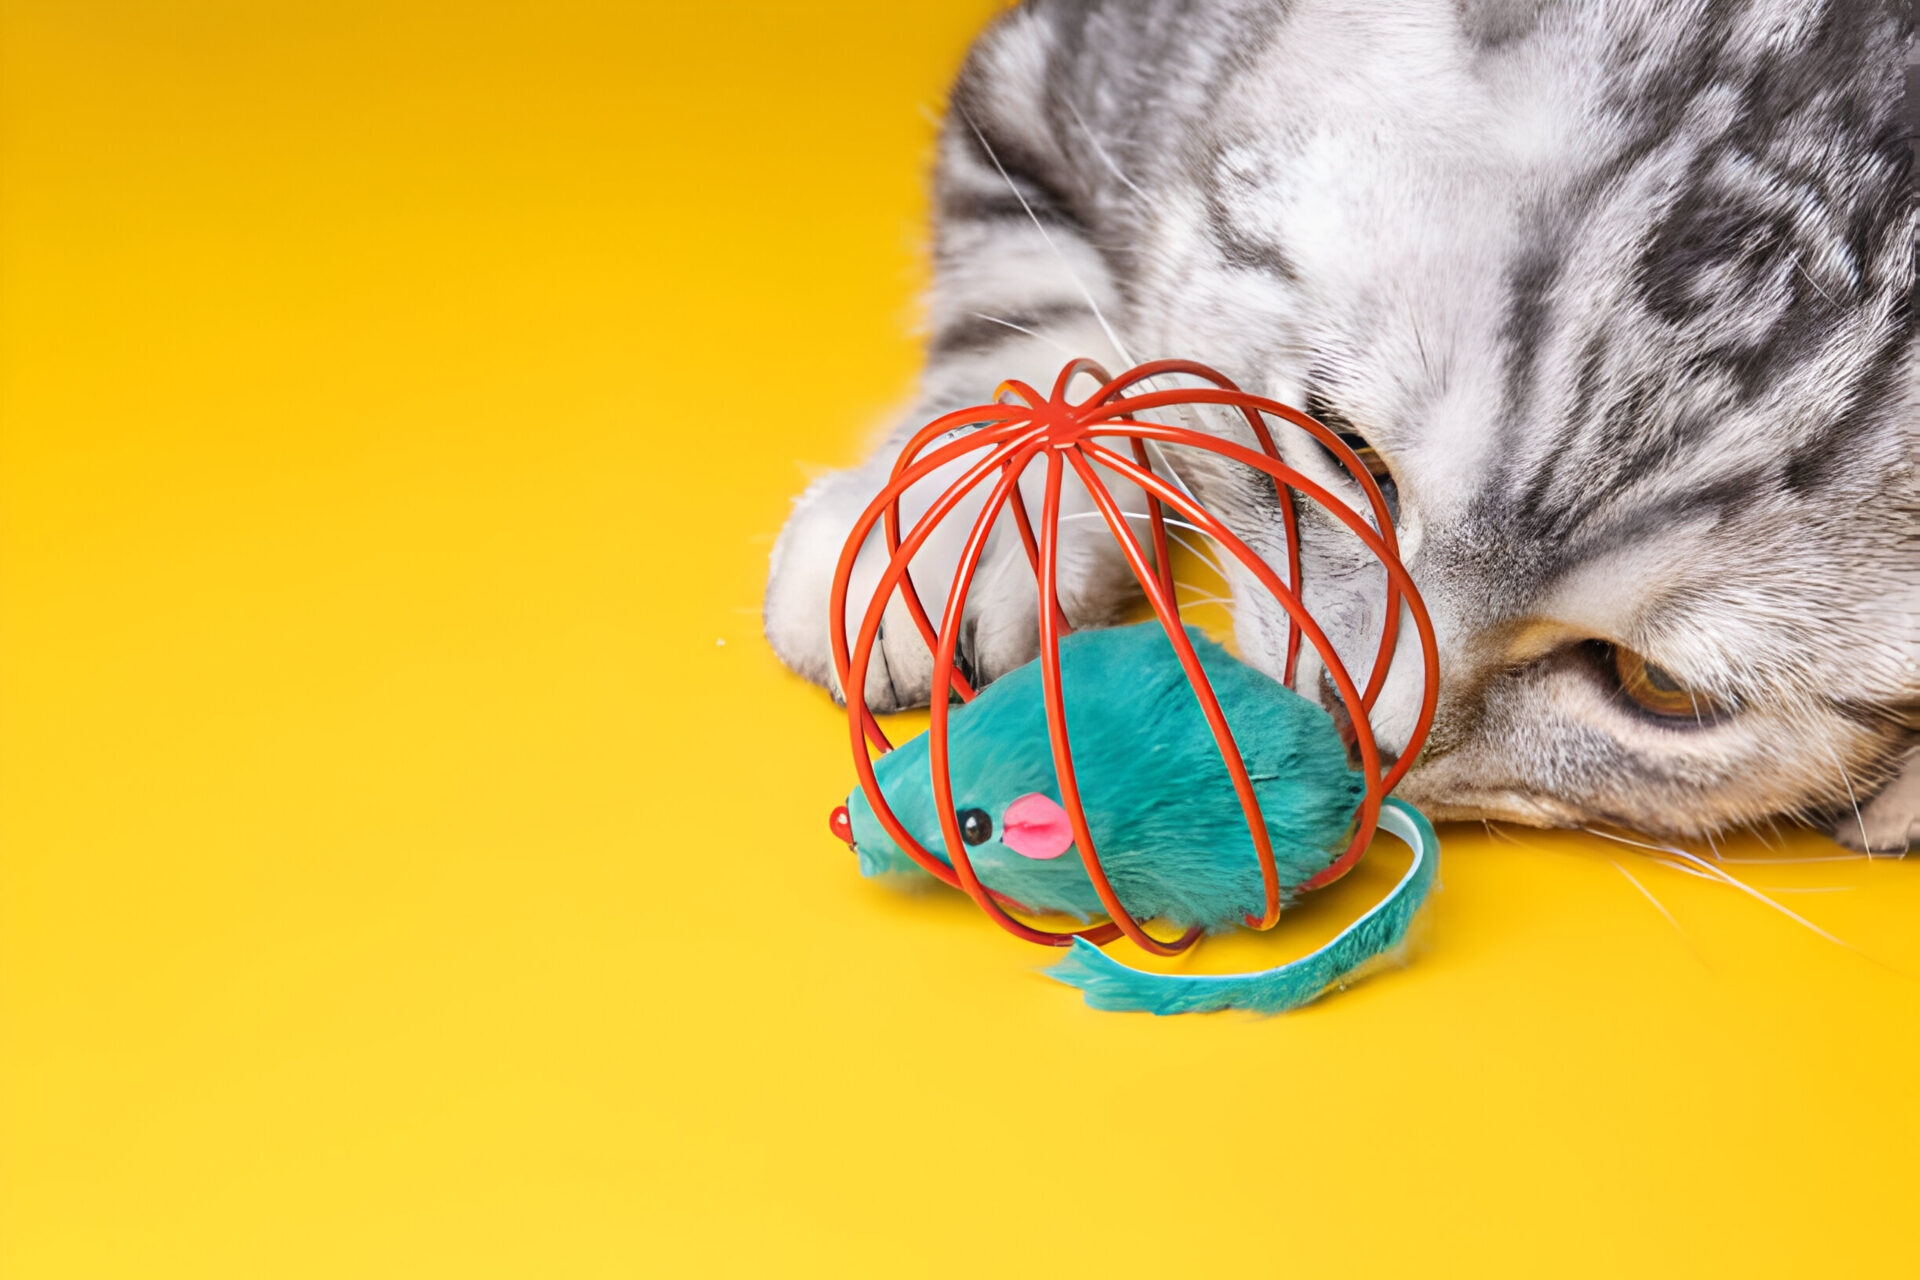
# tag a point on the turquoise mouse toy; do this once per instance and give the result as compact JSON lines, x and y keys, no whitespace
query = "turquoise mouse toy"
{"x":1161,"y":808}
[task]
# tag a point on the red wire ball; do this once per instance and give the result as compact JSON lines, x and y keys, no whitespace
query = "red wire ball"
{"x":1022,"y":428}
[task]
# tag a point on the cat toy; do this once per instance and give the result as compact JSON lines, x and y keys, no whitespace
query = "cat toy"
{"x":1195,"y":789}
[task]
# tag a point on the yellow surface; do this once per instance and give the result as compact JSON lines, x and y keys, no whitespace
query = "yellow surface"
{"x":400,"y":878}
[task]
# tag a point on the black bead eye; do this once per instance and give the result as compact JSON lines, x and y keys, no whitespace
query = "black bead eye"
{"x":975,"y":826}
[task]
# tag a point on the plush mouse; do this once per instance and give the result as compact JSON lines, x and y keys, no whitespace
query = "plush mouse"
{"x":1160,"y":805}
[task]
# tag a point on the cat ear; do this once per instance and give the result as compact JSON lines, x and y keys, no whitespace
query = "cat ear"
{"x":1034,"y":826}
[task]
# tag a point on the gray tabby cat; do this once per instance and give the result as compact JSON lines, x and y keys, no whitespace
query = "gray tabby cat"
{"x":1616,"y":294}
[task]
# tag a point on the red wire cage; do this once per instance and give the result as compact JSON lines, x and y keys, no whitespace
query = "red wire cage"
{"x":1019,"y":429}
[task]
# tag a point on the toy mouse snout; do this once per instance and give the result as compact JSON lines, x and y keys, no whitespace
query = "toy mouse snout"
{"x":841,"y":824}
{"x":1034,"y":826}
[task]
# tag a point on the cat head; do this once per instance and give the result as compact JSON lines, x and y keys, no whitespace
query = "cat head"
{"x":1631,"y":343}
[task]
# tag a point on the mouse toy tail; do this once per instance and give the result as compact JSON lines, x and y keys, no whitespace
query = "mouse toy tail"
{"x":1108,"y":984}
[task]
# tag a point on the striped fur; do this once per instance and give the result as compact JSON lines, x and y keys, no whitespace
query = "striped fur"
{"x":1621,"y":290}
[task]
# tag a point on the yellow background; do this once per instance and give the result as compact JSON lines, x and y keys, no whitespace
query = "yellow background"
{"x":401,"y":879}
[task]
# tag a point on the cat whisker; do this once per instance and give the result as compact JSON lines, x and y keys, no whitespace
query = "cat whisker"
{"x":1757,"y":895}
{"x":1661,"y":908}
{"x":1657,"y":854}
{"x":1201,"y":554}
{"x":1160,"y":451}
{"x":1120,"y":348}
{"x":1808,"y":276}
{"x":1020,"y":328}
{"x":1101,"y":151}
{"x":1680,"y":867}
{"x":1638,"y":844}
{"x":1715,"y":873}
{"x":1114,"y":168}
{"x":1171,"y":521}
{"x":1788,"y":862}
{"x":1852,"y":799}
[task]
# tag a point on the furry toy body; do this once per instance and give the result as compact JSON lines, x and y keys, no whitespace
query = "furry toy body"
{"x":1159,"y":801}
{"x":1162,"y":809}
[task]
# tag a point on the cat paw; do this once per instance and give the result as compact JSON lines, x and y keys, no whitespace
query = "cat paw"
{"x":799,"y":592}
{"x":1000,"y":631}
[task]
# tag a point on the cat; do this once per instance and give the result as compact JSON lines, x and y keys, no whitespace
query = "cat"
{"x":1615,"y":296}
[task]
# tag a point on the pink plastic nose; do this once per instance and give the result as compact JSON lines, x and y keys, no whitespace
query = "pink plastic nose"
{"x":1035,"y":827}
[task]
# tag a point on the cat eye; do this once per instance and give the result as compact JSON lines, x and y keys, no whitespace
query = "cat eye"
{"x":1369,"y":458}
{"x":1653,"y":688}
{"x":975,"y":825}
{"x":1331,"y":418}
